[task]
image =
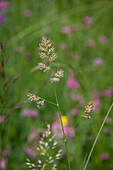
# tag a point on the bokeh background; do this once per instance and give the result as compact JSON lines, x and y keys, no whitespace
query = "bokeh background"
{"x":82,"y":34}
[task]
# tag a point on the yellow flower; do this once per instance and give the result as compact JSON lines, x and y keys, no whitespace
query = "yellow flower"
{"x":64,"y":120}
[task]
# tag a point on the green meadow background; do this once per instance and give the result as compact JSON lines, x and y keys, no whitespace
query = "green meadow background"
{"x":23,"y":35}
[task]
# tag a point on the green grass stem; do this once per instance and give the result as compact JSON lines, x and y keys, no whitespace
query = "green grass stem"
{"x":97,"y":137}
{"x":62,"y":129}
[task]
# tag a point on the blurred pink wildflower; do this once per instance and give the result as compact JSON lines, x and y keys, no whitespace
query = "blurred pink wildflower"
{"x":72,"y":82}
{"x":2,"y":118}
{"x":63,"y":46}
{"x":68,"y":29}
{"x":107,"y":131}
{"x":73,"y":27}
{"x":103,"y":40}
{"x":33,"y":136}
{"x":108,"y":92}
{"x":96,"y":99}
{"x":3,"y":163}
{"x":57,"y":128}
{"x":28,"y":56}
{"x":108,"y":120}
{"x":31,"y":152}
{"x":97,"y":103}
{"x":87,"y":20}
{"x":97,"y":95}
{"x":2,"y":18}
{"x":65,"y":30}
{"x":27,"y":13}
{"x":104,"y":156}
{"x":29,"y":113}
{"x":78,"y":99}
{"x":3,"y":4}
{"x":74,"y":111}
{"x":97,"y":62}
{"x":90,"y":43}
{"x":4,"y":152}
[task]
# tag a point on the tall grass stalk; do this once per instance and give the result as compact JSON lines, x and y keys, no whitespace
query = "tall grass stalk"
{"x":62,"y":128}
{"x":97,"y":137}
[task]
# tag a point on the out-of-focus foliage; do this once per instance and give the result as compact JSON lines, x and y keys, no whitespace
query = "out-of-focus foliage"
{"x":82,"y":34}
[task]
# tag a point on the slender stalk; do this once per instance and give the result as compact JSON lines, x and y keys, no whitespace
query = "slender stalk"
{"x":84,"y":161}
{"x":97,"y":136}
{"x":74,"y":125}
{"x":48,"y":101}
{"x":62,"y":128}
{"x":76,"y":122}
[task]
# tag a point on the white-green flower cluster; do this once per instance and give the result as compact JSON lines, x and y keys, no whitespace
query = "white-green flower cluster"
{"x":47,"y":152}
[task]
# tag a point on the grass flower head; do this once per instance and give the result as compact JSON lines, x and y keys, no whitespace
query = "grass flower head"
{"x":33,"y":97}
{"x":90,"y":107}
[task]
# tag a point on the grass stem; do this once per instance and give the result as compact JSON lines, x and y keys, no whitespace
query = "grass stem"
{"x":97,"y":137}
{"x":48,"y":101}
{"x":62,"y":129}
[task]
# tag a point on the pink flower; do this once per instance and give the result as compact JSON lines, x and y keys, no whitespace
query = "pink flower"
{"x":3,"y":4}
{"x":96,"y":99}
{"x":34,"y":113}
{"x":101,"y":94}
{"x":65,"y":30}
{"x":107,"y":131}
{"x":72,"y":82}
{"x":97,"y":104}
{"x":78,"y":99}
{"x":29,"y":113}
{"x":103,"y":40}
{"x":68,"y":29}
{"x":25,"y":112}
{"x":69,"y":132}
{"x":27,"y":13}
{"x":97,"y":62}
{"x":73,"y":28}
{"x":109,"y":91}
{"x":108,"y":120}
{"x":57,"y":128}
{"x":2,"y":118}
{"x":30,"y":152}
{"x":104,"y":156}
{"x":4,"y":153}
{"x":33,"y":136}
{"x":74,"y":112}
{"x":87,"y":20}
{"x":3,"y":163}
{"x":90,"y":43}
{"x":106,"y":93}
{"x":54,"y":126}
{"x":2,"y":18}
{"x":28,"y":56}
{"x":63,"y":46}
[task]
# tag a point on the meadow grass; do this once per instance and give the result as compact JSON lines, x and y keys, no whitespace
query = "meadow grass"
{"x":23,"y":35}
